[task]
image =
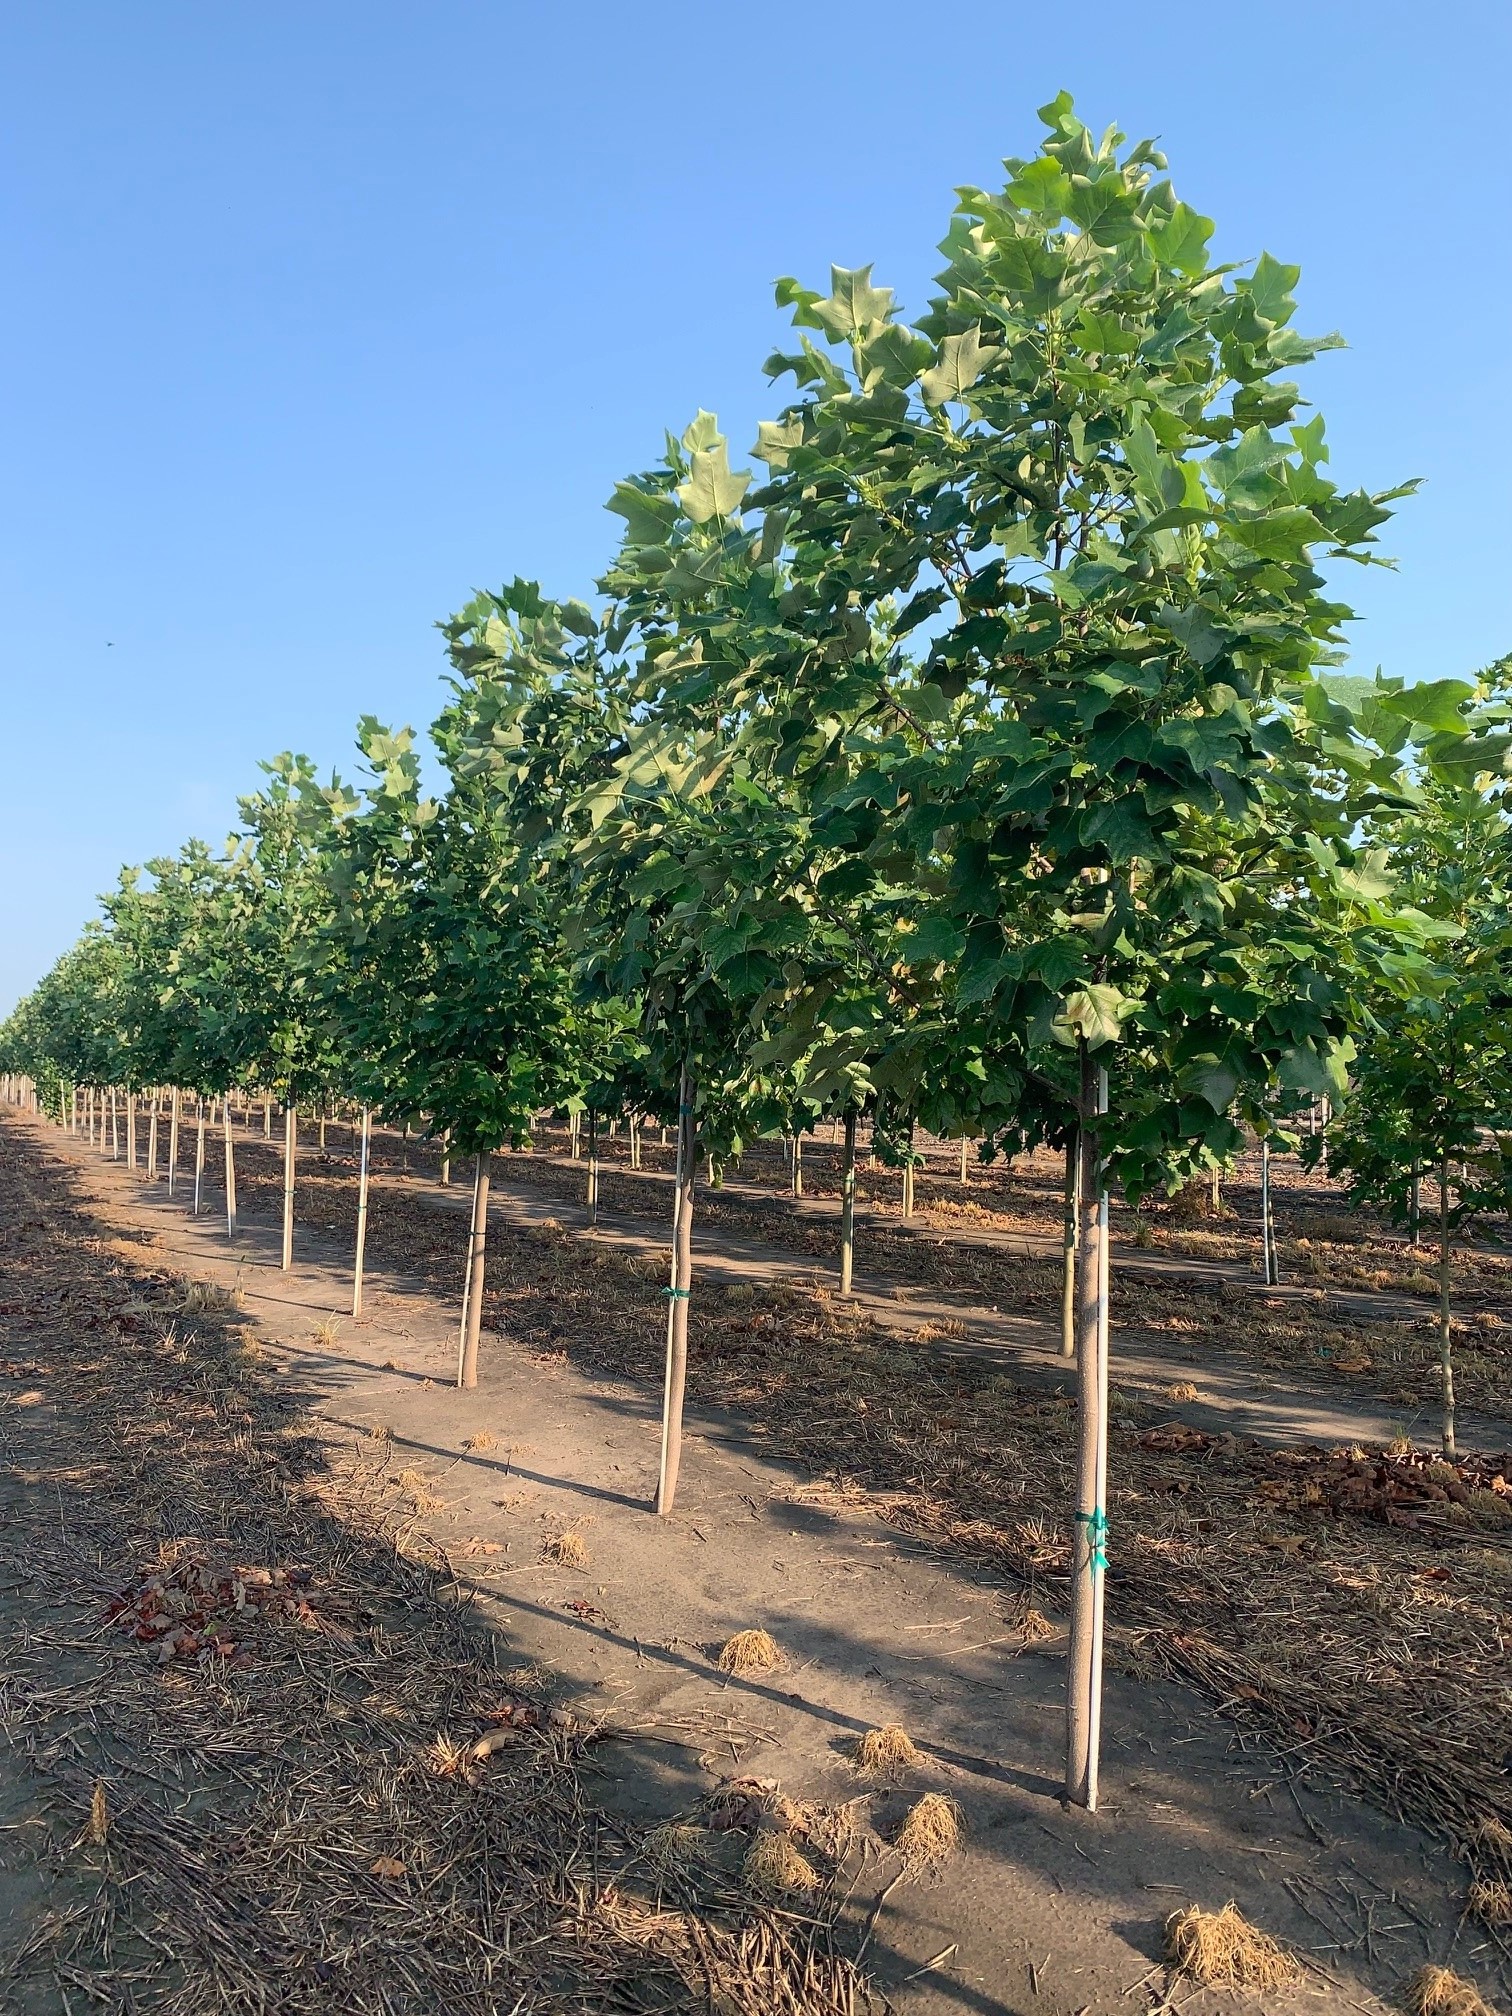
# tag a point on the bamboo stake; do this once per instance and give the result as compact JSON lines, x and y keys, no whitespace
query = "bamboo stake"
{"x":472,"y":1325}
{"x":1089,"y":1561}
{"x":677,"y":1296}
{"x":1446,"y":1335}
{"x":291,"y":1131}
{"x":848,"y":1203}
{"x":173,"y":1134}
{"x":362,"y":1211}
{"x":230,"y":1170}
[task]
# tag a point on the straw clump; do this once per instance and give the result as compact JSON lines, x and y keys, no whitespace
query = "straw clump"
{"x":1491,"y":1901}
{"x":886,"y":1753}
{"x":1439,"y":1991}
{"x":568,"y":1549}
{"x":1221,"y":1949}
{"x":673,"y":1848}
{"x":775,"y":1866}
{"x":931,"y":1831}
{"x":750,"y":1652}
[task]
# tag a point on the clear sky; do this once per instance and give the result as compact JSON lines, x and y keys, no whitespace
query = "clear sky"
{"x":319,"y":316}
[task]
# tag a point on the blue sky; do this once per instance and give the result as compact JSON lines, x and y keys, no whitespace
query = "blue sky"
{"x":319,"y":317}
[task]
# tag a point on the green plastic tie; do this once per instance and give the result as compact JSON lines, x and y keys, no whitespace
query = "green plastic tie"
{"x":677,"y":1294}
{"x":1096,"y":1524}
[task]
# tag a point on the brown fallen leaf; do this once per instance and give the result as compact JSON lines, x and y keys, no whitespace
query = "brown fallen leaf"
{"x":387,"y":1865}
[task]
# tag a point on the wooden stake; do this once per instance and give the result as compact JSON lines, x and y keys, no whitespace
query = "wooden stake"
{"x":152,"y":1134}
{"x":593,"y":1168}
{"x":797,"y":1164}
{"x":131,"y":1130}
{"x":1446,"y":1334}
{"x":1267,"y":1227}
{"x":115,"y":1136}
{"x":908,"y":1183}
{"x":267,"y":1119}
{"x":362,"y":1211}
{"x":848,"y":1202}
{"x":472,"y":1323}
{"x":230,"y":1169}
{"x":965,"y":1171}
{"x":291,"y":1130}
{"x":1089,"y":1559}
{"x":199,"y":1156}
{"x":677,"y":1295}
{"x":173,"y":1134}
{"x":1069,"y":1250}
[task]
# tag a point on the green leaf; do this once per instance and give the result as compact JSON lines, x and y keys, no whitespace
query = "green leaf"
{"x":931,"y":940}
{"x":713,"y":489}
{"x":854,"y":305}
{"x":961,"y":363}
{"x":1181,"y":241}
{"x":1434,"y":704}
{"x":648,"y":518}
{"x":1096,"y":1013}
{"x":1269,"y":289}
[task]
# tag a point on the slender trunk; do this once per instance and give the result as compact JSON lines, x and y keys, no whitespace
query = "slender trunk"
{"x":1215,"y":1195}
{"x":1415,"y":1205}
{"x":152,"y":1138}
{"x":1089,"y":1559}
{"x":677,"y":1296}
{"x":1446,"y":1342}
{"x":199,"y":1158}
{"x":593,"y":1167}
{"x":446,"y":1159}
{"x":230,"y":1169}
{"x":965,"y":1172}
{"x":321,"y":1143}
{"x":848,"y":1203}
{"x":405,"y":1158}
{"x":1267,"y":1223}
{"x":635,"y":1141}
{"x":467,"y":1371}
{"x":173,"y":1134}
{"x":908,"y":1182}
{"x":115,"y":1132}
{"x":797,"y":1165}
{"x":291,"y":1131}
{"x":362,"y":1211}
{"x":131,"y":1130}
{"x":1069,"y":1249}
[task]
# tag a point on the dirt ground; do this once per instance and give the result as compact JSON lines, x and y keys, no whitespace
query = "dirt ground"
{"x":440,"y":1526}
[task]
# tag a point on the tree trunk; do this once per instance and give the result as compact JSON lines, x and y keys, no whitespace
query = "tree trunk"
{"x":152,"y":1138}
{"x":797,"y":1164}
{"x":199,"y":1158}
{"x":291,"y":1133}
{"x":965,"y":1175}
{"x":635,"y":1141}
{"x":848,"y":1203}
{"x":131,"y":1130}
{"x":1415,"y":1205}
{"x":267,"y":1119}
{"x":115,"y":1131}
{"x":446,"y":1159}
{"x":1069,"y":1248}
{"x":173,"y":1134}
{"x":677,"y":1295}
{"x":230,"y":1169}
{"x":472,"y":1325}
{"x":908,"y":1184}
{"x":593,"y":1167}
{"x":1446,"y":1340}
{"x":362,"y":1211}
{"x":1089,"y":1559}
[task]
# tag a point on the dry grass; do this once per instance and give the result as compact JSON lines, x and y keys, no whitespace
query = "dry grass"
{"x":480,"y":1442}
{"x":98,"y":1829}
{"x":1439,"y":1991}
{"x":209,"y":1298}
{"x":1221,"y":1949}
{"x":673,"y":1848}
{"x":567,"y":1550}
{"x":930,"y":1832}
{"x":326,"y":1332}
{"x":888,"y":1753}
{"x":776,"y":1867}
{"x":1181,"y":1389}
{"x":1491,"y":1901}
{"x":750,"y":1652}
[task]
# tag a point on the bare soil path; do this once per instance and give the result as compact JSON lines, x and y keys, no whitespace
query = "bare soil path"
{"x":1041,"y":1911}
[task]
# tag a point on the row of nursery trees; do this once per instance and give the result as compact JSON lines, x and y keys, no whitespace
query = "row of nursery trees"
{"x":978,"y":765}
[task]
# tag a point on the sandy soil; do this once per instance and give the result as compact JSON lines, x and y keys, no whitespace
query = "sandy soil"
{"x":1041,"y":1910}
